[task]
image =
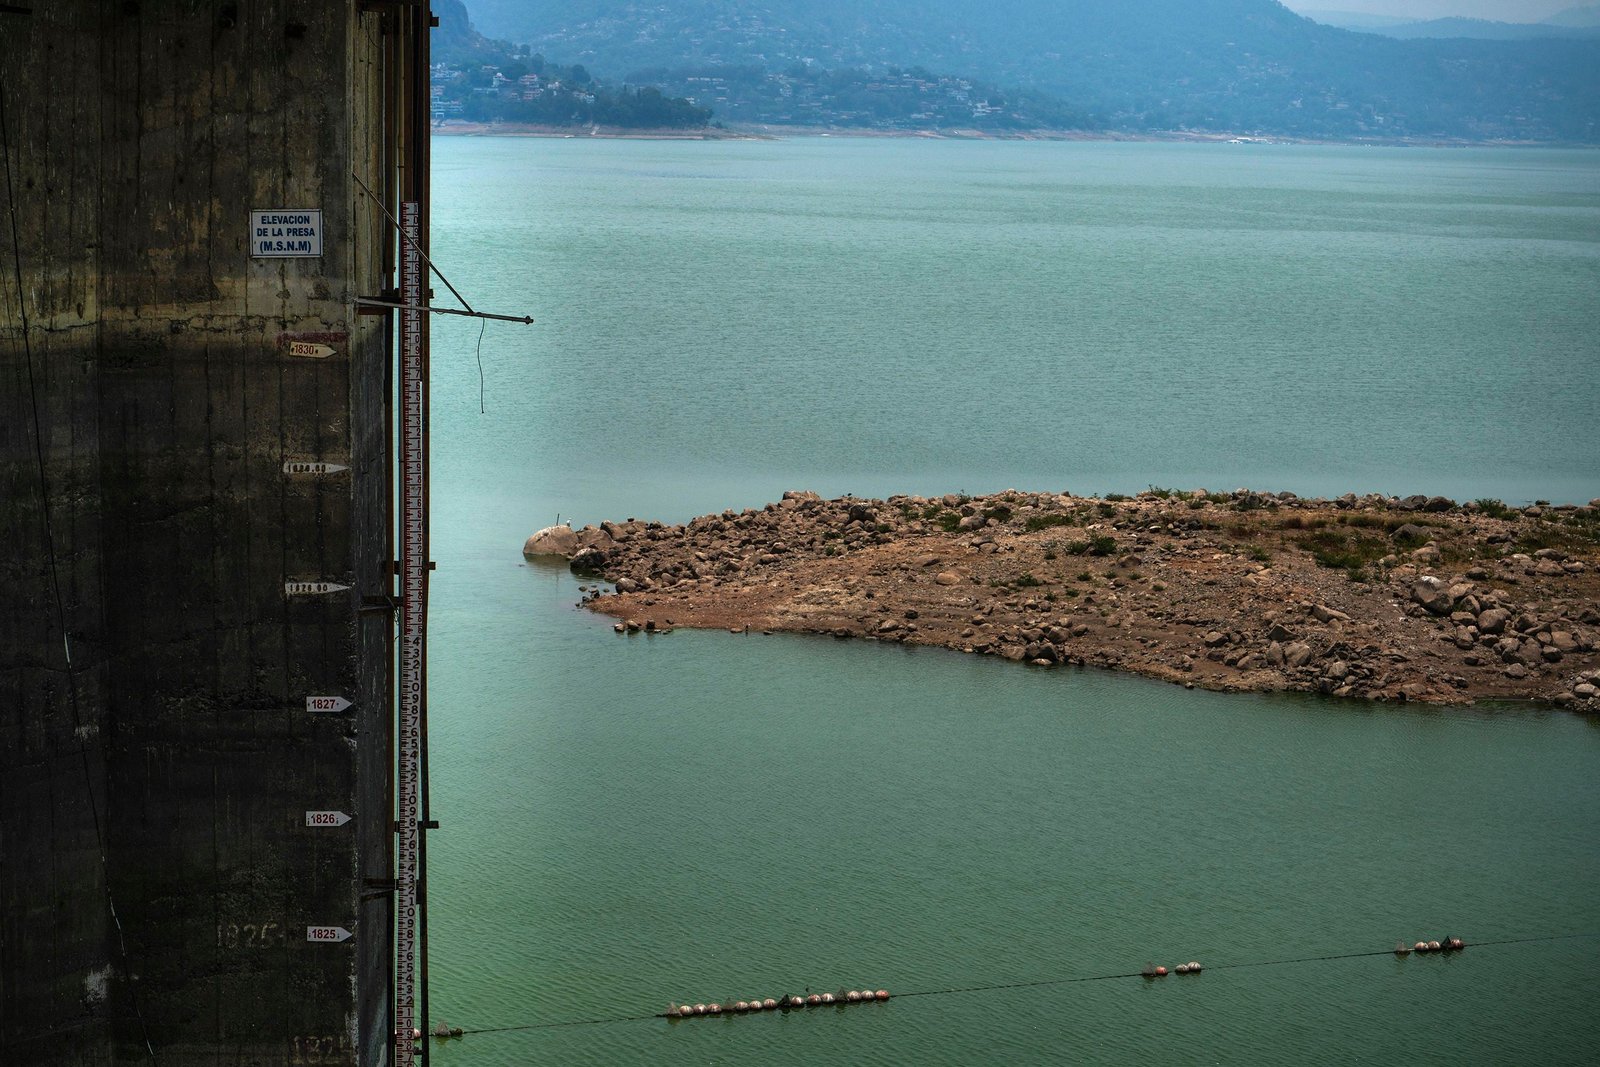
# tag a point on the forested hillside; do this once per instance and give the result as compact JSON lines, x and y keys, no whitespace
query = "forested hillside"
{"x":1243,"y":65}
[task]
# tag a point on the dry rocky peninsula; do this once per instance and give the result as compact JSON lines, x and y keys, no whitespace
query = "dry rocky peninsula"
{"x":1382,"y":598}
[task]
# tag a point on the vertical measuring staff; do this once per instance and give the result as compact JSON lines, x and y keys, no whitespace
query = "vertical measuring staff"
{"x":413,"y":630}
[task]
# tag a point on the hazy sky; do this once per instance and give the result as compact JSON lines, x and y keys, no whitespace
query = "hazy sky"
{"x":1499,"y":10}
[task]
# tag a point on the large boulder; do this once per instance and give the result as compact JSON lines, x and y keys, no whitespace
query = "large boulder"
{"x":552,"y":541}
{"x":589,"y":561}
{"x":1431,"y":594}
{"x":1494,"y":621}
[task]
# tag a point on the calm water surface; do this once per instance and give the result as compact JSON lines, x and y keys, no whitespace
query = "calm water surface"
{"x":704,"y":816}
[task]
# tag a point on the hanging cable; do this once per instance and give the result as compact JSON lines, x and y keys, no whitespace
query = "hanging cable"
{"x":55,"y":574}
{"x":482,"y":325}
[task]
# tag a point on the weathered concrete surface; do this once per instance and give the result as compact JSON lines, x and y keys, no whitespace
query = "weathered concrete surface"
{"x":167,"y":773}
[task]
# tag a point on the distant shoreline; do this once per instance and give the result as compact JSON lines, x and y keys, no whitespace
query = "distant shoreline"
{"x":779,"y":133}
{"x":611,"y":133}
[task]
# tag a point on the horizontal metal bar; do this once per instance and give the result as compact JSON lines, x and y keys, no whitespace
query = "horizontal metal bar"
{"x":370,"y":302}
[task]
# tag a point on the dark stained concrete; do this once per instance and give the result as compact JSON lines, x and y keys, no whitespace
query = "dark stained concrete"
{"x":168,"y":772}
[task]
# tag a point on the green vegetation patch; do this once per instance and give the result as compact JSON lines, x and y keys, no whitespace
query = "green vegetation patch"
{"x":1036,"y":523}
{"x":1103,"y":545}
{"x":1342,"y":550}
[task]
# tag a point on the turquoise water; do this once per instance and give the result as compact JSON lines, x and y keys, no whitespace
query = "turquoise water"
{"x":703,"y":816}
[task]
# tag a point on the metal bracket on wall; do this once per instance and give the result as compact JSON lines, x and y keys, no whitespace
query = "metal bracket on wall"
{"x":378,"y":605}
{"x":363,"y":302}
{"x":373,"y":888}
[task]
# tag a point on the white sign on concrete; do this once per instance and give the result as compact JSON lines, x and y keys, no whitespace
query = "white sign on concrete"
{"x":286,"y":232}
{"x":311,"y":350}
{"x":297,"y":466}
{"x":326,"y":818}
{"x":312,"y":588}
{"x":328,"y":935}
{"x":326,"y":704}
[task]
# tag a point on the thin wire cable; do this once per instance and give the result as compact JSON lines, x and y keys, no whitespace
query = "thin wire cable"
{"x":55,"y":573}
{"x":1047,"y":982}
{"x":483,"y":324}
{"x":410,"y":240}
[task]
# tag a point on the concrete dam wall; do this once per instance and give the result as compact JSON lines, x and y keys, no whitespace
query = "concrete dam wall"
{"x":194,"y":508}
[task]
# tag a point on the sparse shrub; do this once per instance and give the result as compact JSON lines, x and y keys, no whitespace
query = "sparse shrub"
{"x":1350,"y":552}
{"x":1036,"y":523}
{"x":1495,"y":509}
{"x":949,"y":521}
{"x":1410,"y":539}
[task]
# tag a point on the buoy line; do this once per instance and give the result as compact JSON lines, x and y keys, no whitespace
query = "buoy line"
{"x":1042,"y":982}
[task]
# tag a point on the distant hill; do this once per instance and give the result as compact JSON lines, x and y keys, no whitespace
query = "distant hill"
{"x":1239,"y":65}
{"x":1478,"y":29}
{"x":1586,"y":15}
{"x":479,"y":79}
{"x":1573,"y":22}
{"x":1364,"y":21}
{"x":1485,"y":30}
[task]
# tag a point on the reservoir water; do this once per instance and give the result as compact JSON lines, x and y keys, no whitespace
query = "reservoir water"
{"x":706,"y":816}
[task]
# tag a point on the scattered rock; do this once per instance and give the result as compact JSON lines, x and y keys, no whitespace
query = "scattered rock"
{"x":552,"y":541}
{"x":588,"y":561}
{"x":1431,"y":595}
{"x":1175,"y":599}
{"x":1493,"y":621}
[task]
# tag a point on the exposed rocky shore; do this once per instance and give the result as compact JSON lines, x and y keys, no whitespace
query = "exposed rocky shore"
{"x":1381,"y":598}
